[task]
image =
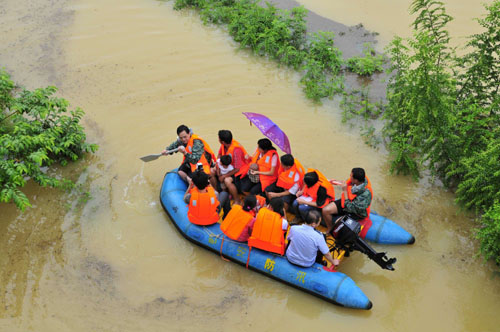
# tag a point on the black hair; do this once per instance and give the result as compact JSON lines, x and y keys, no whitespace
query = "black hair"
{"x":311,"y":178}
{"x":182,"y":128}
{"x":226,"y":160}
{"x":249,"y":203}
{"x":313,"y":216}
{"x":359,"y":174}
{"x":287,"y":160}
{"x":277,"y":204}
{"x":200,"y":179}
{"x":225,"y":136}
{"x":265,"y":144}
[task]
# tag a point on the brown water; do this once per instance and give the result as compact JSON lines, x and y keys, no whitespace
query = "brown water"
{"x":116,"y":263}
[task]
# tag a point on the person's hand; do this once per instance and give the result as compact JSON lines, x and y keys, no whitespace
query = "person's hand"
{"x":254,"y":172}
{"x":344,"y":185}
{"x":164,"y":152}
{"x":182,"y":149}
{"x":299,"y":193}
{"x":300,"y":200}
{"x":222,"y":177}
{"x":272,"y":195}
{"x":336,"y":262}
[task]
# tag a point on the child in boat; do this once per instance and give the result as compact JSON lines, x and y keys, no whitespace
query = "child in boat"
{"x":223,"y":167}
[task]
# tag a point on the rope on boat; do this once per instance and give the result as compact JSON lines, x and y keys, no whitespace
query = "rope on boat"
{"x":222,"y":243}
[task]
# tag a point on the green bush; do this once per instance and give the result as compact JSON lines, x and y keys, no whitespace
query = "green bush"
{"x":36,"y":131}
{"x":489,"y":234}
{"x":367,"y":64}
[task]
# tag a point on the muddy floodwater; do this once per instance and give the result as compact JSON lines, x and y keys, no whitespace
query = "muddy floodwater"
{"x":107,"y":258}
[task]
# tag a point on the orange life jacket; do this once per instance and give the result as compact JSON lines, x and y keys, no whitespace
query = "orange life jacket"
{"x":286,"y":179}
{"x":203,"y":159}
{"x":267,"y":233}
{"x":265,"y":165}
{"x":323,"y":182}
{"x":202,"y":208}
{"x":235,"y":222}
{"x":351,"y":196}
{"x":230,"y":151}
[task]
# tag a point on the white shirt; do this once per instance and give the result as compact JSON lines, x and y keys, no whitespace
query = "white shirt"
{"x":224,"y":169}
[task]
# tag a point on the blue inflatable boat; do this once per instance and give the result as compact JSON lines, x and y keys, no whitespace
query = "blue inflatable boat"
{"x":334,"y":287}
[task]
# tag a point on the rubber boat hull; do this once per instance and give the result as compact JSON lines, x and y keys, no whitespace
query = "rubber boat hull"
{"x":386,"y":231}
{"x":334,"y":287}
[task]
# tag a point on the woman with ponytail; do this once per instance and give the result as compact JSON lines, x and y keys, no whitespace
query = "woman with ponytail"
{"x":239,"y":221}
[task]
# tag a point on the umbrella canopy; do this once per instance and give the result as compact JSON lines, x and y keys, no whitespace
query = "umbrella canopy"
{"x":270,"y":130}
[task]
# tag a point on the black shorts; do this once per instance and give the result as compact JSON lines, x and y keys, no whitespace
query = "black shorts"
{"x":273,"y":188}
{"x":186,"y":168}
{"x":219,"y":188}
{"x":342,"y":211}
{"x":249,"y":186}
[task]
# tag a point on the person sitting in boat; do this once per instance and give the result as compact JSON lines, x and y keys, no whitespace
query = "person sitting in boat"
{"x":239,"y":222}
{"x":239,"y":158}
{"x":202,"y":200}
{"x":269,"y":228}
{"x":268,"y":163}
{"x":195,"y":150}
{"x":306,"y":245}
{"x":356,"y":198}
{"x":290,"y":180}
{"x":316,"y":193}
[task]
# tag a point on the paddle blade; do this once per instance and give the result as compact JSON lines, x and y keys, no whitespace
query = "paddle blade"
{"x":151,"y":157}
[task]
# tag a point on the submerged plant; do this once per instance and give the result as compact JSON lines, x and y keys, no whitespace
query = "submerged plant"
{"x":368,"y":64}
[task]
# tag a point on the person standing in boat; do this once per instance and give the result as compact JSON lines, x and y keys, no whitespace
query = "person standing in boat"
{"x":202,"y":200}
{"x":316,"y":193}
{"x":195,"y":150}
{"x":290,"y":180}
{"x":306,"y":245}
{"x":268,"y":163}
{"x":239,"y":158}
{"x":356,"y":198}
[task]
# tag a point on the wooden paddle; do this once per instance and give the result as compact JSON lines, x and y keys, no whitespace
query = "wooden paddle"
{"x":152,"y":157}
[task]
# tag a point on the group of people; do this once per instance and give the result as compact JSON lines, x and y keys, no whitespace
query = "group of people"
{"x":270,"y":186}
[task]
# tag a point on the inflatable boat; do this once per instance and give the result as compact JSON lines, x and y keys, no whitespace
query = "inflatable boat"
{"x":334,"y":287}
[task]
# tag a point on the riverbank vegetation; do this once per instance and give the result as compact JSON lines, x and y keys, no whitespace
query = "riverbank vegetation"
{"x":441,"y":112}
{"x":37,"y":130}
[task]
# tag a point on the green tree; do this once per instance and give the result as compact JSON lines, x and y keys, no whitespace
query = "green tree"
{"x":36,"y":131}
{"x":420,"y":113}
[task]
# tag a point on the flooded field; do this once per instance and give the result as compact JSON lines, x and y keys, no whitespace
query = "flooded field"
{"x":107,"y":258}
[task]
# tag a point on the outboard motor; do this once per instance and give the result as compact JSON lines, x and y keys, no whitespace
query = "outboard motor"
{"x":346,"y":233}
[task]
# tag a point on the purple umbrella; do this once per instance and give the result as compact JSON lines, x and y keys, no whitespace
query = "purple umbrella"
{"x":270,"y":130}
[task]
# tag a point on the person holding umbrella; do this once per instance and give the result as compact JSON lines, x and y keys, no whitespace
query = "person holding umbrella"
{"x":268,"y":163}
